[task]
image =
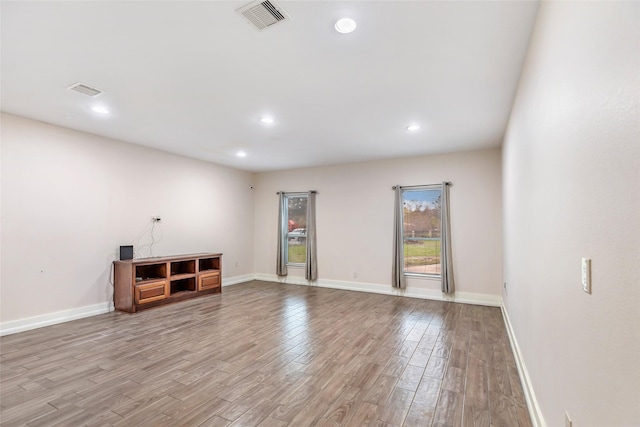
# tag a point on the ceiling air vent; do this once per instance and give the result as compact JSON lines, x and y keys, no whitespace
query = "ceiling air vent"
{"x":263,"y":14}
{"x":85,"y":89}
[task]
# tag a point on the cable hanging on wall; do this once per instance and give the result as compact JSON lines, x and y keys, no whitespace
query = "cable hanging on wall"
{"x":149,"y":229}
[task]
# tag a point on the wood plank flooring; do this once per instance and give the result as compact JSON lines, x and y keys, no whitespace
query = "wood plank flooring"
{"x":266,"y":354}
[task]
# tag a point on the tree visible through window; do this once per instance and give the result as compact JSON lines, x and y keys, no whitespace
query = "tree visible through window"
{"x":421,"y":230}
{"x":297,"y":229}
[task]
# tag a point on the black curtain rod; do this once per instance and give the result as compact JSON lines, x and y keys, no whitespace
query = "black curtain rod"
{"x":425,"y":185}
{"x":296,"y":192}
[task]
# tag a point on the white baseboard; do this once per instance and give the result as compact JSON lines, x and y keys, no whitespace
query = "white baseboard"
{"x":532,"y":403}
{"x":376,"y":288}
{"x":20,"y":325}
{"x":230,"y":281}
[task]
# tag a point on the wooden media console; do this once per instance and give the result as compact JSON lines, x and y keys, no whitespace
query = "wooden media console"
{"x":148,"y":282}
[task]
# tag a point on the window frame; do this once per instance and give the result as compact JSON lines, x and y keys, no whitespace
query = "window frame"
{"x":285,"y":238}
{"x":421,"y":188}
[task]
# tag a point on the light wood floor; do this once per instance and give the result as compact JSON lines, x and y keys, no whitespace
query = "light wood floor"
{"x":265,"y":354}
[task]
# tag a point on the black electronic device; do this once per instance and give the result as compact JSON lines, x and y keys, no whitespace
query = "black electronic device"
{"x":126,"y":252}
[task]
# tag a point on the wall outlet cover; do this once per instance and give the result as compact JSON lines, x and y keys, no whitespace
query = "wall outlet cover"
{"x":586,"y":275}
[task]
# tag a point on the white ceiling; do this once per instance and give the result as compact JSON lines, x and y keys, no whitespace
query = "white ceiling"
{"x":194,"y":78}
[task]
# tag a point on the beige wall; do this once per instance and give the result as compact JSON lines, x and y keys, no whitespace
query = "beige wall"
{"x":355,"y":218}
{"x":571,"y":173}
{"x":70,"y":199}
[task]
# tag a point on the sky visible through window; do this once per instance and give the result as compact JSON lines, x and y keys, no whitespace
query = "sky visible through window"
{"x":419,"y":199}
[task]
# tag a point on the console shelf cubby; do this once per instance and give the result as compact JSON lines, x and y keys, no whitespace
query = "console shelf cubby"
{"x":148,"y":282}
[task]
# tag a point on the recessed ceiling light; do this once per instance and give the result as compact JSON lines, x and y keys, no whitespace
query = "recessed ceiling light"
{"x":266,"y":120}
{"x":345,"y":25}
{"x":413,"y":128}
{"x":99,"y":109}
{"x":241,"y":154}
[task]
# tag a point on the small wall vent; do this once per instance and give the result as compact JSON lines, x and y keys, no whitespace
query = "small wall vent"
{"x":263,"y":14}
{"x":85,"y":89}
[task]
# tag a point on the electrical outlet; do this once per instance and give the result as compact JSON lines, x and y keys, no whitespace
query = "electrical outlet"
{"x":586,"y":275}
{"x":505,"y":286}
{"x":355,"y":275}
{"x":567,"y":420}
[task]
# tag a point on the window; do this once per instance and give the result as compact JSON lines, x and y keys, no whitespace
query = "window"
{"x":296,"y":219}
{"x":421,"y":230}
{"x":297,"y":233}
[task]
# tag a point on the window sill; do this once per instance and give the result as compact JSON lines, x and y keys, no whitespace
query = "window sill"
{"x":424,"y":276}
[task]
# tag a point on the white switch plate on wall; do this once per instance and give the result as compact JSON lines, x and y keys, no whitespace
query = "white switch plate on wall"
{"x":586,"y":275}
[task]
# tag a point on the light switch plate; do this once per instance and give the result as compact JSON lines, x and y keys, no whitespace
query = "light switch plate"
{"x":586,"y":275}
